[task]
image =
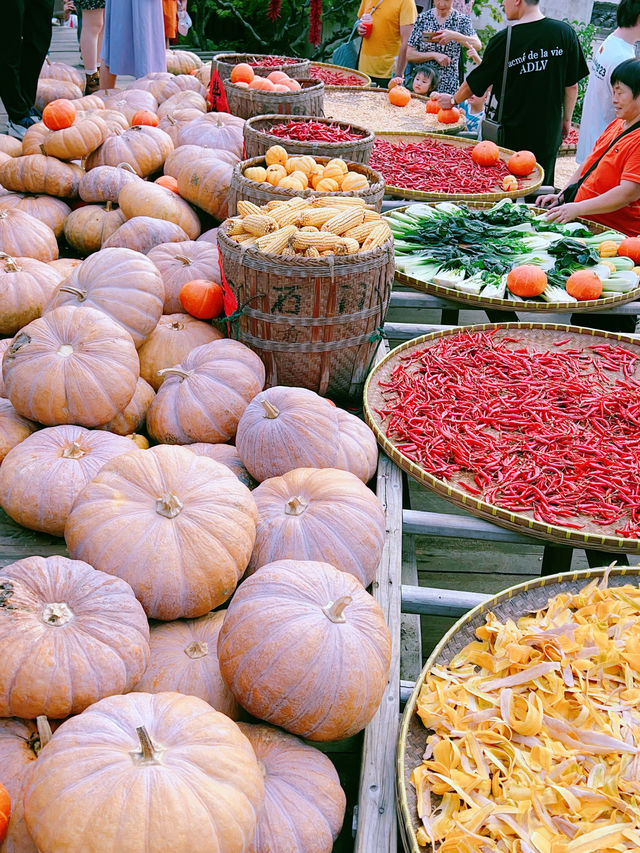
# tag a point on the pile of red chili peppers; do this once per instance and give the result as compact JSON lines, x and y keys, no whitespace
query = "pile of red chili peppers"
{"x":315,"y":131}
{"x":434,"y":166}
{"x":335,"y":78}
{"x":554,"y":433}
{"x":271,"y":61}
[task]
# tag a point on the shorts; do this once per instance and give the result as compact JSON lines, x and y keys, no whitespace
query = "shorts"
{"x":90,"y":4}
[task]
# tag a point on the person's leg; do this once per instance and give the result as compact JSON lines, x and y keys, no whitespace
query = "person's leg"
{"x":11,"y":92}
{"x":36,"y":38}
{"x":107,"y":79}
{"x":91,"y":39}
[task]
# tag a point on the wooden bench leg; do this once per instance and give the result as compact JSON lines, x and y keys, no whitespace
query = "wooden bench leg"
{"x":556,"y":559}
{"x":449,"y":317}
{"x":596,"y":559}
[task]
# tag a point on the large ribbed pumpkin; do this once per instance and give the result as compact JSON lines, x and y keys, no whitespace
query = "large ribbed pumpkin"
{"x":203,"y":398}
{"x":24,"y":236}
{"x":227,"y":455}
{"x":72,"y":143}
{"x":142,"y":233}
{"x":90,"y":226}
{"x":319,"y":514}
{"x":132,"y":418}
{"x":178,"y":527}
{"x":26,"y":285}
{"x":42,"y":476}
{"x":303,"y":802}
{"x":180,"y":101}
{"x":305,"y":647}
{"x":171,"y":341}
{"x":150,"y":199}
{"x":205,"y":183}
{"x":184,"y":658}
{"x":182,"y":262}
{"x":13,"y":428}
{"x":105,"y":182}
{"x":37,"y":173}
{"x":285,"y":428}
{"x":145,"y":773}
{"x":129,"y":101}
{"x":186,"y":154}
{"x":62,"y":71}
{"x":47,"y":209}
{"x":144,"y":148}
{"x":121,"y":283}
{"x":69,"y":636}
{"x":214,"y":131}
{"x":357,"y":447}
{"x":5,"y":343}
{"x":73,"y":365}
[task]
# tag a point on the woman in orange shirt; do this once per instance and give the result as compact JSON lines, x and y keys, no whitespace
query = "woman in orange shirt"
{"x":611,"y":193}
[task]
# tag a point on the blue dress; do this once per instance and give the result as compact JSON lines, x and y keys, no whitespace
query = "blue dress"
{"x":133,"y":42}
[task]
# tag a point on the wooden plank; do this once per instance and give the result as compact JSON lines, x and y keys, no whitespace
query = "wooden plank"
{"x":461,"y":527}
{"x":414,"y":300}
{"x":410,"y":639}
{"x":376,"y":800}
{"x":439,"y":602}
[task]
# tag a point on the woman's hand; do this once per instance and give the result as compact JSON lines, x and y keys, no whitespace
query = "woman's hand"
{"x":442,"y":59}
{"x":473,"y":55}
{"x":564,"y":213}
{"x":548,"y":200}
{"x":395,"y":81}
{"x":445,"y":36}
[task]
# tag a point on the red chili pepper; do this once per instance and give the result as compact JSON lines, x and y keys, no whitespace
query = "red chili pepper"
{"x":272,"y":61}
{"x":335,"y":78}
{"x":304,"y":131}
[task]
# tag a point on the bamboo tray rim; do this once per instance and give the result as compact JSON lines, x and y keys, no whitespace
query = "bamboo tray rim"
{"x":529,"y":186}
{"x":406,"y":819}
{"x":529,"y":306}
{"x":517,"y":521}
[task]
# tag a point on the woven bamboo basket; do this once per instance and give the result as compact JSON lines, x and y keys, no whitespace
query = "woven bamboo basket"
{"x":262,"y":193}
{"x":512,"y":603}
{"x":526,"y":186}
{"x":257,"y":139}
{"x":536,"y":336}
{"x":293,"y":66}
{"x":339,"y":70}
{"x":246,"y":103}
{"x":512,"y":303}
{"x":314,"y":322}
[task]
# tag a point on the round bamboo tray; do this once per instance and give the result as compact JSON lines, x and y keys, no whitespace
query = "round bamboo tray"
{"x":224,"y":63}
{"x":262,"y":193}
{"x":316,"y":71}
{"x":525,"y":186}
{"x":314,"y":322}
{"x":531,"y":306}
{"x":512,"y":603}
{"x":257,"y":140}
{"x":372,"y":109}
{"x":246,"y":103}
{"x":540,"y":337}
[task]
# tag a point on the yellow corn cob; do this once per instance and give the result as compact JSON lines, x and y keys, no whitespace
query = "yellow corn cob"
{"x":286,"y":216}
{"x":349,"y":218}
{"x":247,"y":207}
{"x":372,"y":216}
{"x":340,"y":248}
{"x":275,"y":243}
{"x":327,"y":253}
{"x":361,"y":232}
{"x":235,"y":227}
{"x":311,"y":229}
{"x":337,"y":201}
{"x":311,"y":252}
{"x":320,"y":240}
{"x":246,"y":239}
{"x":272,"y":205}
{"x":259,"y":224}
{"x":297,"y":202}
{"x":288,"y":252}
{"x":378,"y":236}
{"x":318,"y":216}
{"x":351,"y":245}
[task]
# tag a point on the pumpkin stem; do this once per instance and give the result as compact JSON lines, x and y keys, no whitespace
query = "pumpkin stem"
{"x":44,"y":731}
{"x":295,"y":505}
{"x":68,"y":288}
{"x":65,"y":350}
{"x":147,"y":751}
{"x":109,"y":206}
{"x":42,"y":151}
{"x":127,"y":166}
{"x":168,"y":505}
{"x":197,"y":650}
{"x":185,"y":261}
{"x":270,"y":410}
{"x":175,"y":371}
{"x":11,"y":265}
{"x":19,"y":342}
{"x":3,"y":213}
{"x":74,"y":451}
{"x":177,"y":326}
{"x":57,"y":613}
{"x":335,"y":609}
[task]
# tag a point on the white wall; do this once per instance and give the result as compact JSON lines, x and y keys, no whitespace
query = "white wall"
{"x":575,"y":10}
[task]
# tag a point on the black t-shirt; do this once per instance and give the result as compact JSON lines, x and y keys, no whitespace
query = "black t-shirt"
{"x":544,"y":58}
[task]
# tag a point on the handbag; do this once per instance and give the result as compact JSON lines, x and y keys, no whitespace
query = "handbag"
{"x":490,"y":129}
{"x":348,"y":53}
{"x":569,"y":193}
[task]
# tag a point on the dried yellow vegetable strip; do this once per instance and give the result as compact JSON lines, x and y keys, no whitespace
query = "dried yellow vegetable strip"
{"x":535,"y":732}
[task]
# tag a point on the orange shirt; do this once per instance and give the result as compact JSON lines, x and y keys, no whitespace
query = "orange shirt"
{"x":621,"y":163}
{"x":379,"y":51}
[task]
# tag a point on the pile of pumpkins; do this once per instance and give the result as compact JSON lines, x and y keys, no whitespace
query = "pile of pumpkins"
{"x":125,"y":683}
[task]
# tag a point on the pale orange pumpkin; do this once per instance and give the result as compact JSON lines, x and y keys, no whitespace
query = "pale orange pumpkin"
{"x":204,"y":793}
{"x":204,"y":183}
{"x":285,"y":428}
{"x":203,"y":398}
{"x":227,"y":455}
{"x":51,"y":90}
{"x":37,"y":173}
{"x":183,"y":101}
{"x":123,"y":284}
{"x":166,"y":507}
{"x":171,"y":122}
{"x":87,"y":228}
{"x":171,"y":341}
{"x":149,"y":199}
{"x":330,"y":682}
{"x":75,"y":142}
{"x":33,"y":140}
{"x":132,"y":418}
{"x":105,"y":182}
{"x":304,"y":803}
{"x":10,"y":146}
{"x":69,"y":636}
{"x":42,"y":476}
{"x":179,"y":263}
{"x":142,"y":147}
{"x":62,"y":71}
{"x":5,"y":343}
{"x":24,"y":236}
{"x":73,"y":365}
{"x":217,"y":130}
{"x":186,"y":155}
{"x":65,"y":266}
{"x":182,"y":61}
{"x":184,"y":658}
{"x":357,"y":447}
{"x":26,"y":286}
{"x":51,"y":211}
{"x":143,"y":233}
{"x":13,"y":427}
{"x":181,"y":84}
{"x":89,"y":103}
{"x":323,"y":514}
{"x":129,"y":102}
